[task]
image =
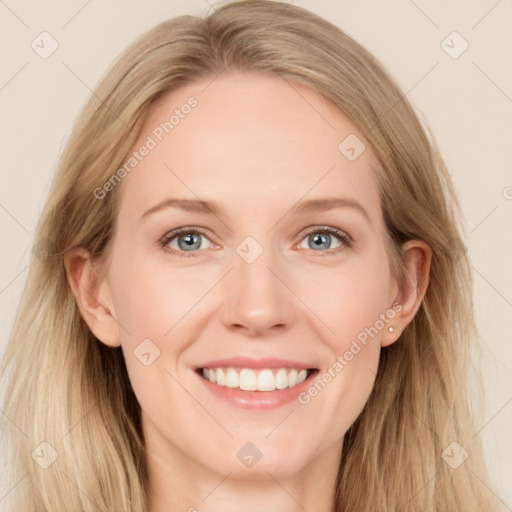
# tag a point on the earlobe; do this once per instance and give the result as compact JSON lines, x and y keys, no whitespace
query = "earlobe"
{"x":417,"y":256}
{"x":92,"y":296}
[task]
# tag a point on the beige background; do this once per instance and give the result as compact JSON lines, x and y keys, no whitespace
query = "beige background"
{"x":467,"y":101}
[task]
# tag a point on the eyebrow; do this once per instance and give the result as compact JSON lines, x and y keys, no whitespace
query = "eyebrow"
{"x":212,"y":208}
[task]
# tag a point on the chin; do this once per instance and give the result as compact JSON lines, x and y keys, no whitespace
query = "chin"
{"x":255,"y":460}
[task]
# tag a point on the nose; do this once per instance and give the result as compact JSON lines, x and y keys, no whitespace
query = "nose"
{"x":257,"y":301}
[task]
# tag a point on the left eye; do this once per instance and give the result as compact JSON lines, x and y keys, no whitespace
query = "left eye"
{"x":322,"y":239}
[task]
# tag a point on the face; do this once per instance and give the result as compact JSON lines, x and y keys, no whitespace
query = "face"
{"x":279,"y":264}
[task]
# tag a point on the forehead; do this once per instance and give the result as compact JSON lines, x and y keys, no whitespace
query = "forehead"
{"x":248,"y":140}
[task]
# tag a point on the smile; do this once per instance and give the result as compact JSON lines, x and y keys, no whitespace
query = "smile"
{"x":264,"y":379}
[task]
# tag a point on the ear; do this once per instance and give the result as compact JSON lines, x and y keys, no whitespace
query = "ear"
{"x":417,"y":255}
{"x":92,"y":296}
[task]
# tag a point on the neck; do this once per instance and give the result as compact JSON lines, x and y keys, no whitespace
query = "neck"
{"x":177,"y":482}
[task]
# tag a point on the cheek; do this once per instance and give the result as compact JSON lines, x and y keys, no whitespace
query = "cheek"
{"x":151,"y":297}
{"x":155,"y":304}
{"x":354,"y":306}
{"x":348,"y":300}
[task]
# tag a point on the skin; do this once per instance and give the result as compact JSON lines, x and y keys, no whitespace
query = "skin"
{"x":256,"y":146}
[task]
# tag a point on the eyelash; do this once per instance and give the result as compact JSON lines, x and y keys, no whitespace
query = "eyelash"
{"x":343,"y":237}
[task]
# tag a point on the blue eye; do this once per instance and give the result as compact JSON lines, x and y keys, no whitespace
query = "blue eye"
{"x":321,"y":238}
{"x":188,"y":242}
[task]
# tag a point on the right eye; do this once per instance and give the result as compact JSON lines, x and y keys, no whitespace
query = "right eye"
{"x":185,"y":240}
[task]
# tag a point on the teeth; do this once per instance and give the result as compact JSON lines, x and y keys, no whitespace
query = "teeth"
{"x":249,"y":380}
{"x":267,"y":381}
{"x":281,"y":379}
{"x":220,"y":378}
{"x":231,"y":378}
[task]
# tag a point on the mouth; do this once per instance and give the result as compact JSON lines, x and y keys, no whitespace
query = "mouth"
{"x":261,"y":379}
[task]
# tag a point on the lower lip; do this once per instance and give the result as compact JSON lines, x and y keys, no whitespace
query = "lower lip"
{"x":258,"y":399}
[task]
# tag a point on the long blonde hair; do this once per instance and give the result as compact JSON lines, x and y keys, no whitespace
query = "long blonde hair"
{"x":67,"y":389}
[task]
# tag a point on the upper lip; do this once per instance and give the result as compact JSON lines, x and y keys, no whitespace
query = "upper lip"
{"x":247,"y":362}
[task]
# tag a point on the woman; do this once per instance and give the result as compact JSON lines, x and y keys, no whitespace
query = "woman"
{"x":184,"y":341}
